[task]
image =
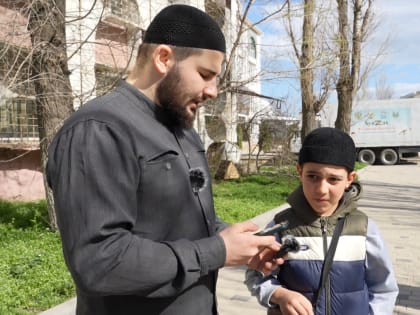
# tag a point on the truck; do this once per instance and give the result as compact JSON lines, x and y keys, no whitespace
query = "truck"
{"x":382,"y":130}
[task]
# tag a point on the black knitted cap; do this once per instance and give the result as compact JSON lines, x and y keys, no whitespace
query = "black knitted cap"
{"x":328,"y":146}
{"x":185,"y":26}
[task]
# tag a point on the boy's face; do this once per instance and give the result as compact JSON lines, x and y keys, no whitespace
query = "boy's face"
{"x":324,"y":185}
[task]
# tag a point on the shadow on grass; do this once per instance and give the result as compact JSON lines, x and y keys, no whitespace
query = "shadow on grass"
{"x":23,"y":215}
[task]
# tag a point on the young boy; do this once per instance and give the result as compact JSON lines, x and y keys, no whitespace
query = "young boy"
{"x":360,"y":280}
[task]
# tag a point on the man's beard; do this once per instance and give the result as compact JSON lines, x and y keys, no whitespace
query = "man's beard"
{"x":170,"y":97}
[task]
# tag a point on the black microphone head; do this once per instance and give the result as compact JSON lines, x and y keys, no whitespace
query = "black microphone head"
{"x":291,"y":243}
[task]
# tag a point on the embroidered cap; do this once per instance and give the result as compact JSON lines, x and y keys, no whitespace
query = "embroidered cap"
{"x":185,"y":26}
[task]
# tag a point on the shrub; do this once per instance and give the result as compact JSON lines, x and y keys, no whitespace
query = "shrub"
{"x":24,"y":214}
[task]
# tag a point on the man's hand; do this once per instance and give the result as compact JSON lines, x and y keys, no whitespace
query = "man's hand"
{"x":291,"y":302}
{"x":244,"y":248}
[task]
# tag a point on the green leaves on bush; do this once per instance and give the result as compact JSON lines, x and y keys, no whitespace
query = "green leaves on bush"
{"x":24,"y":214}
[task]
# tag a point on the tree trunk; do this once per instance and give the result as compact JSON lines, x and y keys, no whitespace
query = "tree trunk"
{"x":349,"y":76}
{"x":308,"y":122}
{"x":306,"y":70}
{"x":50,"y":75}
{"x":344,"y":84}
{"x":344,"y":108}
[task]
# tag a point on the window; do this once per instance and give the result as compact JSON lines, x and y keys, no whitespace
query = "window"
{"x":18,"y":120}
{"x":252,"y":47}
{"x":125,"y":9}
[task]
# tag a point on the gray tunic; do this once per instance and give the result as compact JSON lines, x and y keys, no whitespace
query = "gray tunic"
{"x":135,"y":210}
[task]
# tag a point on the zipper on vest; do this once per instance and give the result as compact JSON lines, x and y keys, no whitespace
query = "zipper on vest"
{"x":324,"y":224}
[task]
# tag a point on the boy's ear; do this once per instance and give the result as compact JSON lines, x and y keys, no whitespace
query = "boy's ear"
{"x":351,"y":177}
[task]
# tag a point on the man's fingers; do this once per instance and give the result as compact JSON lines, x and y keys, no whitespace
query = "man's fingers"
{"x":268,"y":242}
{"x":248,"y":226}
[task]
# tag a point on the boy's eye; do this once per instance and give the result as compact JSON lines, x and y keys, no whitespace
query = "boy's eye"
{"x":334,"y":179}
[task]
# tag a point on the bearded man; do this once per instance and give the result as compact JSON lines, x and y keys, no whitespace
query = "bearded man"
{"x":132,"y":187}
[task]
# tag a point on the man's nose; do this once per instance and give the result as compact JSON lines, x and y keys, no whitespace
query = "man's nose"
{"x":210,"y":91}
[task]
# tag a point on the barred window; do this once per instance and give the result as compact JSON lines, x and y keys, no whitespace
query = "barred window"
{"x":18,"y":120}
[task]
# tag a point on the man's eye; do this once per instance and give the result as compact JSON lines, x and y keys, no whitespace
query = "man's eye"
{"x":206,"y":76}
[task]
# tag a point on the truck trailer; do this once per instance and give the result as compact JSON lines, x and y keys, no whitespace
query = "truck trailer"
{"x":382,"y":130}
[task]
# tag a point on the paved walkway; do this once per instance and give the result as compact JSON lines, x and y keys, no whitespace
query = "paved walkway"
{"x":392,"y":198}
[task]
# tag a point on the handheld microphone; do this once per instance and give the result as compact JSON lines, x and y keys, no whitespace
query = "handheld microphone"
{"x":280,"y":227}
{"x":290,"y":244}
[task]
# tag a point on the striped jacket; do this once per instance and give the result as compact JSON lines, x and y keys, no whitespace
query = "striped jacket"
{"x":355,"y":288}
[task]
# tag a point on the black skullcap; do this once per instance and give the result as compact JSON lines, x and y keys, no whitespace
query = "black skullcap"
{"x":185,"y":26}
{"x":328,"y":146}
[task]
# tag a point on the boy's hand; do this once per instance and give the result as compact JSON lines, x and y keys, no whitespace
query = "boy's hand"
{"x":291,"y":302}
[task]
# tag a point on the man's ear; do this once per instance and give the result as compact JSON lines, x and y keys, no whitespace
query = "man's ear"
{"x":163,"y":59}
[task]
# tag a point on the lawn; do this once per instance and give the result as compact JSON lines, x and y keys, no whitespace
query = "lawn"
{"x":33,"y":276}
{"x":247,"y":197}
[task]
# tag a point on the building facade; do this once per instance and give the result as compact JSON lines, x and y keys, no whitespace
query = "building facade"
{"x":102,"y":39}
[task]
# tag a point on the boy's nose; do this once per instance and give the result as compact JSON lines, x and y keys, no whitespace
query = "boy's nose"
{"x":323,"y":186}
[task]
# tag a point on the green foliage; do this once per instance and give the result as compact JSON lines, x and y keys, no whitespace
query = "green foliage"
{"x":33,"y":275}
{"x":24,"y":214}
{"x":359,"y":165}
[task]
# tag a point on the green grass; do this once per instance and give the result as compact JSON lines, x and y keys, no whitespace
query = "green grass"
{"x":360,"y":165}
{"x":33,"y":276}
{"x":247,"y":197}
